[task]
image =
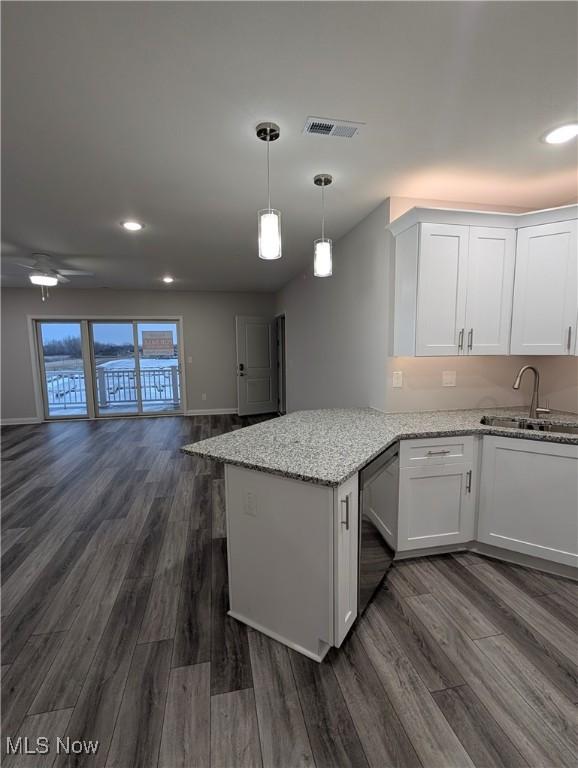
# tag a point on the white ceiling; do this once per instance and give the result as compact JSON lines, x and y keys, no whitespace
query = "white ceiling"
{"x":147,"y":110}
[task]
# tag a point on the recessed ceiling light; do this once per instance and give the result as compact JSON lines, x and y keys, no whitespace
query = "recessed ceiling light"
{"x":168,"y":279}
{"x":132,"y":226}
{"x":562,"y":134}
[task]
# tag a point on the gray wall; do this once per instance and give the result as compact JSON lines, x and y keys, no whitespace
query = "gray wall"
{"x":338,"y":340}
{"x":208,"y":325}
{"x":336,"y":327}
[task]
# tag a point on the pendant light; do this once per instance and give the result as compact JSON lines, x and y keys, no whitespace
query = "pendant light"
{"x":322,"y":252}
{"x":269,"y":219}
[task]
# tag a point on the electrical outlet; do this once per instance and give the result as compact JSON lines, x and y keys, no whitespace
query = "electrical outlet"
{"x":448,"y":378}
{"x":250,"y":506}
{"x":397,"y":379}
{"x":204,"y":396}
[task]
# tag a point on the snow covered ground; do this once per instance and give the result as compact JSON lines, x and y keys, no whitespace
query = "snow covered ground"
{"x":116,"y":387}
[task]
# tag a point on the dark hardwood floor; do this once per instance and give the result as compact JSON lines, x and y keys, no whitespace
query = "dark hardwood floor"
{"x":114,"y":628}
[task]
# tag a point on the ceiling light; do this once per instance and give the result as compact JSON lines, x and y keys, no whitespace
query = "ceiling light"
{"x":41,"y":278}
{"x":132,"y":226}
{"x":322,"y":248}
{"x":269,"y":219}
{"x":168,"y":279}
{"x":562,"y":134}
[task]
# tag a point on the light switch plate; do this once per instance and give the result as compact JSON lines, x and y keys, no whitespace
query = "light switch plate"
{"x":397,"y":379}
{"x":448,"y":378}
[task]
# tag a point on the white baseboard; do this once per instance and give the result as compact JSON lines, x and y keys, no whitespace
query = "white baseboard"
{"x":24,"y":420}
{"x":209,"y":411}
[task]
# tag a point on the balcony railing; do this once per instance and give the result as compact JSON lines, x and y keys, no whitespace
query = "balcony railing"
{"x":115,"y":387}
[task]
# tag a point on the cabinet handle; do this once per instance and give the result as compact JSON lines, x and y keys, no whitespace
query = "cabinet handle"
{"x":346,"y":521}
{"x":461,"y":340}
{"x":569,"y":337}
{"x":471,"y":339}
{"x":469,"y":481}
{"x":438,"y":453}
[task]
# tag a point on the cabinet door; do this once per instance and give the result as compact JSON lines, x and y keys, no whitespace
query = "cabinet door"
{"x":346,"y":516}
{"x":436,"y":506}
{"x":441,"y":298}
{"x":491,"y":259}
{"x":545,"y":290}
{"x":529,"y":498}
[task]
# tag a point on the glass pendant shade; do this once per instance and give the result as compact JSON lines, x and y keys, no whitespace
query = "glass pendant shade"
{"x":269,"y":234}
{"x":322,"y":259}
{"x":37,"y":278}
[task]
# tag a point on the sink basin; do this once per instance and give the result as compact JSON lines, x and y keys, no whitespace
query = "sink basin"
{"x":504,"y":421}
{"x":538,"y":425}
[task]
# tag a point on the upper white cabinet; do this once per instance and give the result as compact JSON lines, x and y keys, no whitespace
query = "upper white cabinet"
{"x":476,"y":283}
{"x":462,"y":287}
{"x":441,"y":297}
{"x":490,"y":281}
{"x":546,"y":290}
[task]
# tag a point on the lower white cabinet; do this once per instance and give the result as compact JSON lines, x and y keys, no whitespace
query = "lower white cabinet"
{"x":293,"y":558}
{"x":529,"y":498}
{"x":437,"y":497}
{"x":346,"y":546}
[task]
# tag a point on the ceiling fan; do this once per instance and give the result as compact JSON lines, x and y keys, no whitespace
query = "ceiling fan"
{"x":44,"y":274}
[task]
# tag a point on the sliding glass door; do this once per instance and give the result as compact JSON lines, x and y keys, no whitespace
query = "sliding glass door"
{"x":62,"y":369}
{"x":115,"y":368}
{"x":110,"y":367}
{"x":158,"y":362}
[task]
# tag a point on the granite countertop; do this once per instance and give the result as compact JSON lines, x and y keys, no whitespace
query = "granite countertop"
{"x":329,"y":446}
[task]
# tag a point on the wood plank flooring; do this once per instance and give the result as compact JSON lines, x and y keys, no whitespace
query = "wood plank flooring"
{"x":114,"y":629}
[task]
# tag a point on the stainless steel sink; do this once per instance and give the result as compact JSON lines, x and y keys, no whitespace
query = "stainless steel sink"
{"x":538,"y":425}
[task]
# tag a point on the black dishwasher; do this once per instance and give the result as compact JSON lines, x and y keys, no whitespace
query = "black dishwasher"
{"x":378,"y":500}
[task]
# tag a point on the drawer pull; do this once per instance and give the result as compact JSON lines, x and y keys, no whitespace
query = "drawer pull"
{"x":438,"y":453}
{"x":469,"y":481}
{"x":346,"y":521}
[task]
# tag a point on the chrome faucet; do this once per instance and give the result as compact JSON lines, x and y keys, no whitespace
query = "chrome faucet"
{"x":534,"y":406}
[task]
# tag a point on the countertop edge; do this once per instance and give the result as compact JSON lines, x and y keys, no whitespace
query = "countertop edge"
{"x":518,"y":434}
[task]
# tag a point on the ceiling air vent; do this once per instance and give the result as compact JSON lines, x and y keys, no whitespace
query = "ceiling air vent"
{"x":324,"y":126}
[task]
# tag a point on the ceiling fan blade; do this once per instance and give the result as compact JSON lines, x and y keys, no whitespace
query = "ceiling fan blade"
{"x":61,"y":278}
{"x":25,"y":266}
{"x":75,"y":273}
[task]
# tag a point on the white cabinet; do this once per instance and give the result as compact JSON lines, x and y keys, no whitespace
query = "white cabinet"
{"x":293,"y":557}
{"x":346,"y":558}
{"x":441,"y":289}
{"x":462,"y":282}
{"x":477,"y":283}
{"x":436,"y":493}
{"x":529,"y":498}
{"x":546,"y":290}
{"x":490,"y":285}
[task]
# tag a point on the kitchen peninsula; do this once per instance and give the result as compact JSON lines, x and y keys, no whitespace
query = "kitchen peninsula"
{"x":293,"y":504}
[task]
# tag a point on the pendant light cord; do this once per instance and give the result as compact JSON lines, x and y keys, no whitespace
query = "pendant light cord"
{"x":323,"y":212}
{"x":268,"y":176}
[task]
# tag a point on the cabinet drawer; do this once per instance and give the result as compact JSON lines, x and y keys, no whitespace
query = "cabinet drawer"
{"x":436,"y":450}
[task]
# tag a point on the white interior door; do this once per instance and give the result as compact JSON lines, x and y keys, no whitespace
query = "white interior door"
{"x":256,"y":365}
